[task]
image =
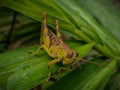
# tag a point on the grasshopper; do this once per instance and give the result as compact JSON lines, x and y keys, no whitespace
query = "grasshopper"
{"x":53,"y":44}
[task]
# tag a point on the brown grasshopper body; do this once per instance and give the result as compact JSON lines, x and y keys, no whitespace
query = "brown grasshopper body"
{"x":55,"y":47}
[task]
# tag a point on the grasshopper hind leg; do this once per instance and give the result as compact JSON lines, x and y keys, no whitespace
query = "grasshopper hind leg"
{"x":45,"y":37}
{"x":57,"y":29}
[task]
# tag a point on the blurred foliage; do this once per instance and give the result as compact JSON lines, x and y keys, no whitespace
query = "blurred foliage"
{"x":82,"y":24}
{"x":22,"y":32}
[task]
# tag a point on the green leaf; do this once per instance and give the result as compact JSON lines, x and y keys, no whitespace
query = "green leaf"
{"x":73,"y":18}
{"x":16,"y":66}
{"x":89,"y":77}
{"x":86,"y":23}
{"x":22,"y":70}
{"x":114,"y":81}
{"x":102,"y":10}
{"x":84,"y":49}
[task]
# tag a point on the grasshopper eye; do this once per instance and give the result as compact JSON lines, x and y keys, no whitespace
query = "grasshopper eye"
{"x":70,"y":54}
{"x":75,"y":54}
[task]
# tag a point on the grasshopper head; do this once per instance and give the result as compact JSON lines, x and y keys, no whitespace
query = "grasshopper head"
{"x":70,"y":57}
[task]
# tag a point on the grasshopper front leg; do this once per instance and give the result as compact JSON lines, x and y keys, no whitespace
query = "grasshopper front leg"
{"x":50,"y":64}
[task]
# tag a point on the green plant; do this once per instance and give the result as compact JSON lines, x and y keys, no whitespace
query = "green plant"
{"x":79,"y":19}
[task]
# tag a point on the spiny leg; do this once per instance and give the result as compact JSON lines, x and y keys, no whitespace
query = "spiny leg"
{"x":46,"y":49}
{"x":43,"y":26}
{"x":41,"y":46}
{"x":58,"y":34}
{"x":57,"y":29}
{"x":61,"y":69}
{"x":50,"y":64}
{"x":35,"y":52}
{"x":45,"y":36}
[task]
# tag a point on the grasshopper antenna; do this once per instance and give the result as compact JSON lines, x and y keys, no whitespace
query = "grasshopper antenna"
{"x":84,"y":60}
{"x":91,"y":62}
